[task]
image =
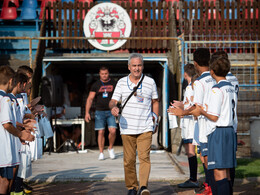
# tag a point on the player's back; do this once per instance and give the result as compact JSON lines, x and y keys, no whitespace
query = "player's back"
{"x":233,"y":80}
{"x":202,"y":87}
{"x":223,"y":103}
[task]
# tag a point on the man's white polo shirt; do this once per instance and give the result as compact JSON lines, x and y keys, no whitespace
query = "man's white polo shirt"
{"x":136,"y":117}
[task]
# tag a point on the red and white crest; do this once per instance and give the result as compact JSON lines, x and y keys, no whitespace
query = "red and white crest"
{"x":107,"y":20}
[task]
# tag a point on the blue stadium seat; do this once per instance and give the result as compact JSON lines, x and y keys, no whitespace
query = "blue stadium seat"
{"x":68,"y":1}
{"x":28,"y":13}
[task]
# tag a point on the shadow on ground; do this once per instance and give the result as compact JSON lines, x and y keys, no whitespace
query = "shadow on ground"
{"x":118,"y":188}
{"x":241,"y":187}
{"x":72,"y":174}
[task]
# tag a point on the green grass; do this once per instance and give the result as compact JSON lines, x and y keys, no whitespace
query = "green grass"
{"x":246,"y":167}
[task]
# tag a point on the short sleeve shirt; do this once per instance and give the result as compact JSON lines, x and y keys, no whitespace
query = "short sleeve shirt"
{"x":6,"y":113}
{"x":136,"y":117}
{"x":8,"y":153}
{"x":187,"y":122}
{"x":104,"y":93}
{"x":223,"y":105}
{"x":19,"y":98}
{"x":187,"y":99}
{"x":233,"y":80}
{"x":202,"y":87}
{"x":16,"y":109}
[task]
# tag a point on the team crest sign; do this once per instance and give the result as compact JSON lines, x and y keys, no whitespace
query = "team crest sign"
{"x":107,"y":20}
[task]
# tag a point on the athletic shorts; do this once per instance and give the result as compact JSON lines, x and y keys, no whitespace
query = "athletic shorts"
{"x":7,"y":172}
{"x":103,"y":118}
{"x":204,"y":149}
{"x":187,"y":141}
{"x":198,"y":149}
{"x":222,"y":148}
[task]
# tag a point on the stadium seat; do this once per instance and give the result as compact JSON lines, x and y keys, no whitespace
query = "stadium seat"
{"x":83,"y":1}
{"x":72,"y":1}
{"x":28,"y":13}
{"x":8,"y":13}
{"x":171,"y":1}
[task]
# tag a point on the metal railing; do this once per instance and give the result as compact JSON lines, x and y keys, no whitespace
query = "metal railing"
{"x":243,"y":55}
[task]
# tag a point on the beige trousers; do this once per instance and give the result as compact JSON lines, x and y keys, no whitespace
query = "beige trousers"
{"x":141,"y":143}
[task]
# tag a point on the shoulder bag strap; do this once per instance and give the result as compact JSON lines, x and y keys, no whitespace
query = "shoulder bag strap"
{"x":134,"y":90}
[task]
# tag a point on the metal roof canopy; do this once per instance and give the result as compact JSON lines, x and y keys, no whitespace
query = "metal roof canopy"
{"x":161,"y":58}
{"x":101,"y":57}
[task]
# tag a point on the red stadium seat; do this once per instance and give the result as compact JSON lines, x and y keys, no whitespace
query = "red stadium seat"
{"x":8,"y":13}
{"x":83,"y":1}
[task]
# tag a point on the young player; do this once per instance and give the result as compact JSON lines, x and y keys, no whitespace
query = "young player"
{"x":221,"y":113}
{"x":230,"y":77}
{"x":187,"y":130}
{"x":234,"y":81}
{"x":19,"y":84}
{"x":202,"y":87}
{"x":9,"y":156}
{"x":29,"y":73}
{"x":22,"y":98}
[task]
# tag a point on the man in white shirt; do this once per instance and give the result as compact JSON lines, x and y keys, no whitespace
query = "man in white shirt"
{"x":136,"y":122}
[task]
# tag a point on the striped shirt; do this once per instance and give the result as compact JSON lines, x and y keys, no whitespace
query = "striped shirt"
{"x":136,"y":117}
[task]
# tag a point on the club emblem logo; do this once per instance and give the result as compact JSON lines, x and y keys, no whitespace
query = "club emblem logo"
{"x":107,"y":20}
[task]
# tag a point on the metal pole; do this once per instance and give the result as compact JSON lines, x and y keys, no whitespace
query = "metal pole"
{"x":30,"y":53}
{"x":256,"y":67}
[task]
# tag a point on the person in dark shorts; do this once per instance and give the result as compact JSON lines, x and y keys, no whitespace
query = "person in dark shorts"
{"x":102,"y":90}
{"x":221,"y":114}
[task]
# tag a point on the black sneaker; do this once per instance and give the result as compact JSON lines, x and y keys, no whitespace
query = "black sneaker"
{"x":144,"y":191}
{"x":132,"y":192}
{"x":189,"y":184}
{"x":26,"y":186}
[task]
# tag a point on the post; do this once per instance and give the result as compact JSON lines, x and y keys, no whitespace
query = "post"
{"x":256,"y":68}
{"x":30,"y":53}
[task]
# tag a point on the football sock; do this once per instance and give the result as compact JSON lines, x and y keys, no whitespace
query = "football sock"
{"x":231,"y":187}
{"x":212,"y":182}
{"x":223,"y":187}
{"x":18,"y":184}
{"x":193,"y":165}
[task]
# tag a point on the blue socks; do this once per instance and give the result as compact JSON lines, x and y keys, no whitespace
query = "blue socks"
{"x":212,"y":182}
{"x":223,"y":187}
{"x":193,"y":165}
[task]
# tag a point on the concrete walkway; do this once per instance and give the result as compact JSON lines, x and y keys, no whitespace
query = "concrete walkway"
{"x":85,"y":167}
{"x":108,"y":176}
